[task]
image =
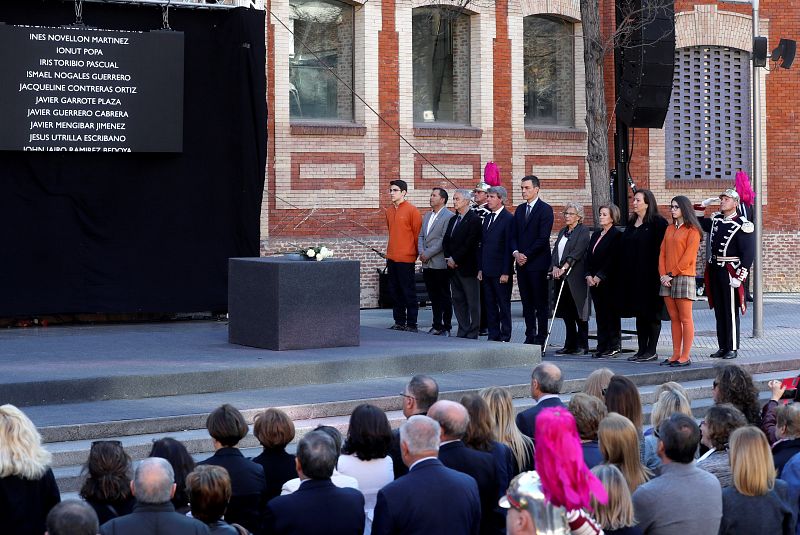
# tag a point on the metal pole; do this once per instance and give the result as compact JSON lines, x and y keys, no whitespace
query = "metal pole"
{"x":758,"y":263}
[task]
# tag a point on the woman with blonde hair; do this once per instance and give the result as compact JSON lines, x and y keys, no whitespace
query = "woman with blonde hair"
{"x":616,"y":516}
{"x":505,"y":430}
{"x":757,"y":502}
{"x":668,"y":403}
{"x":27,"y":485}
{"x":619,"y":445}
{"x":597,"y":382}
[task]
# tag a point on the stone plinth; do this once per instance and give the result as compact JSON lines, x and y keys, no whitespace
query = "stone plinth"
{"x":286,"y":302}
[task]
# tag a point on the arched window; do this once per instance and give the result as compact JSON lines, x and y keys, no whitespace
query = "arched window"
{"x":548,"y":52}
{"x":708,"y":124}
{"x":441,"y":65}
{"x":323,"y":32}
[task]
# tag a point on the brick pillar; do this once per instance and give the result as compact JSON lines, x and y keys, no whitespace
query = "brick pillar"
{"x":389,"y":96}
{"x":501,"y":49}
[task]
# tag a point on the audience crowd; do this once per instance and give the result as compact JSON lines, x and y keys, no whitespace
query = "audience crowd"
{"x":590,"y":466}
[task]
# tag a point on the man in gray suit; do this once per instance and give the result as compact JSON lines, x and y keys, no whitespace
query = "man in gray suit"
{"x":434,"y":266}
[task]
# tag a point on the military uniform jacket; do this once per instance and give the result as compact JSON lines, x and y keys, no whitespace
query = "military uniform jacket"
{"x":731,"y":242}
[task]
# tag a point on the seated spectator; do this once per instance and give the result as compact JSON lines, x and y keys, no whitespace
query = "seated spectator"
{"x":107,"y":487}
{"x":453,"y":453}
{"x":72,"y":517}
{"x":597,"y":382}
{"x":683,"y":499}
{"x":318,"y":506}
{"x":27,"y":485}
{"x":365,"y":455}
{"x":735,"y":386}
{"x":622,"y":397}
{"x":671,"y":386}
{"x":419,"y":394}
{"x":480,"y":436}
{"x":153,"y":486}
{"x":619,"y":445}
{"x":182,"y":463}
{"x":791,"y":475}
{"x":788,"y":434}
{"x":716,"y":428}
{"x":566,"y":481}
{"x":768,"y":411}
{"x":588,"y":412}
{"x":227,"y":427}
{"x":616,"y":516}
{"x":757,"y":502}
{"x":209,"y":490}
{"x":431,"y":498}
{"x":668,"y":403}
{"x":546,"y":383}
{"x":529,"y":512}
{"x":338,"y":479}
{"x":501,"y":407}
{"x":274,"y":430}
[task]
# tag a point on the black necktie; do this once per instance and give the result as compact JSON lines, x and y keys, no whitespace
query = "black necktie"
{"x":458,"y":220}
{"x":491,"y":220}
{"x":527,"y":212}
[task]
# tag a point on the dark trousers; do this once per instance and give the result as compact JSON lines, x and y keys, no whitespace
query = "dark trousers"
{"x":484,"y":319}
{"x":726,"y":308}
{"x":648,"y":329}
{"x":437,"y":281}
{"x":534,"y":295}
{"x":498,"y":307}
{"x":403,"y":290}
{"x":608,"y":322}
{"x":577,"y":330}
{"x":466,"y":304}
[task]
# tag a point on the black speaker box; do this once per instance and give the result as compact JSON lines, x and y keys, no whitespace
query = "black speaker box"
{"x":648,"y":62}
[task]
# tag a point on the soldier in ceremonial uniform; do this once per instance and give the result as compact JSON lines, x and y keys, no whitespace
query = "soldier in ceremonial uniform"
{"x":479,"y":206}
{"x":732,"y":248}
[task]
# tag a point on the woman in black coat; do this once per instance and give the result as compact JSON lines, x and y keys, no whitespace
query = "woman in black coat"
{"x":275,"y":430}
{"x":639,"y":281}
{"x":601,"y":267}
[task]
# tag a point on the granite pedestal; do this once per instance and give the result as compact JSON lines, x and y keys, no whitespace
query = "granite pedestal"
{"x":287,"y":302}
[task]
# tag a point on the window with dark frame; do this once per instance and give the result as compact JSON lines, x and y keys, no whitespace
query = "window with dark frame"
{"x":549,"y":71}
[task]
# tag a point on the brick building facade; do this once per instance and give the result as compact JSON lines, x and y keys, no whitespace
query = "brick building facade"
{"x":327,"y":177}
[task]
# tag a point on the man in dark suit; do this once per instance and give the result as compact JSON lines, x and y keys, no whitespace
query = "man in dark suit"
{"x":434,"y":266}
{"x":530,"y":245}
{"x":546,"y":383}
{"x":153,"y":486}
{"x":495,"y":265}
{"x":318,"y":506}
{"x":419,"y":394}
{"x":431,"y":498}
{"x":461,"y":241}
{"x":454,"y":419}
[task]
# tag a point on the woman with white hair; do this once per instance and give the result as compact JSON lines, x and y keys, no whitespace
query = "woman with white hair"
{"x":28,"y":489}
{"x":568,"y":265}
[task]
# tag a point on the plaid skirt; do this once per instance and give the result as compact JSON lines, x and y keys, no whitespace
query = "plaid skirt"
{"x":683,"y":287}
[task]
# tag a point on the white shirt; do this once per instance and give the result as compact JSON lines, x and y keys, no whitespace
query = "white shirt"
{"x":340,"y":480}
{"x":415,"y":463}
{"x":562,"y":244}
{"x":372,"y":476}
{"x":431,"y":220}
{"x":496,"y":214}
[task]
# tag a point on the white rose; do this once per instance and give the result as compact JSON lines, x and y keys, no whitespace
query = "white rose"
{"x":323,"y":250}
{"x":310,"y":253}
{"x":319,"y":257}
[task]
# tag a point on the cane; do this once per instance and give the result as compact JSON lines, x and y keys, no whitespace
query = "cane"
{"x":555,"y":309}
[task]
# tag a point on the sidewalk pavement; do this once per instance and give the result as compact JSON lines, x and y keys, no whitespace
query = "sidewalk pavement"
{"x":781,"y":329}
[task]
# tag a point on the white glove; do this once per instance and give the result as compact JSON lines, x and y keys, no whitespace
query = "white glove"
{"x":735,"y":283}
{"x":709,"y":201}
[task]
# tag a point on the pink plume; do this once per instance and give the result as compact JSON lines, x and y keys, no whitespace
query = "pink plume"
{"x":743,"y":188}
{"x":491,"y":174}
{"x":566,"y":480}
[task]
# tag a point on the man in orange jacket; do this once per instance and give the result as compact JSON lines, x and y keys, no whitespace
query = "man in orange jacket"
{"x":405,"y":222}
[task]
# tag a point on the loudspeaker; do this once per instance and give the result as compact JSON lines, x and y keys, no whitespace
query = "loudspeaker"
{"x":785,"y":51}
{"x":648,"y":62}
{"x":760,"y":52}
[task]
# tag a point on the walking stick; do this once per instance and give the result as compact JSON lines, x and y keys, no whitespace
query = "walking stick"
{"x":555,"y":309}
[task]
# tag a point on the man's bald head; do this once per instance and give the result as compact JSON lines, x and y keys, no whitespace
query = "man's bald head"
{"x":452,"y":416}
{"x":546,"y":379}
{"x":153,"y":481}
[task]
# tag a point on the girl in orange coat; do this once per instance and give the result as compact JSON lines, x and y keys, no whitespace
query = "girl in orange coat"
{"x":677,"y":265}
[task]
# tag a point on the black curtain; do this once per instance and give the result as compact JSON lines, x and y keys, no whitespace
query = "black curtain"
{"x":143,"y":232}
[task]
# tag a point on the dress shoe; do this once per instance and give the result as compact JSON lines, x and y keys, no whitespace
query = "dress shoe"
{"x":484,"y":332}
{"x":634,"y":357}
{"x":444,"y":332}
{"x":598,"y":355}
{"x":434,"y":331}
{"x":611,"y":353}
{"x":718,"y":354}
{"x":647,"y":357}
{"x":566,"y":351}
{"x":679,"y":364}
{"x":666,"y":362}
{"x":397,"y":327}
{"x":411,"y":328}
{"x":729,"y":355}
{"x":581,"y":351}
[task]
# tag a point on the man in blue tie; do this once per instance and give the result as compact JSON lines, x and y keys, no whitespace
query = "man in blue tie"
{"x":495,"y":265}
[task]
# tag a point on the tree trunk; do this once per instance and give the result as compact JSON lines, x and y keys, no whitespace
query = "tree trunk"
{"x":596,"y":112}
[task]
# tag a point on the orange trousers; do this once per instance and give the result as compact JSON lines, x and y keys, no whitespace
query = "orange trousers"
{"x":680,"y":315}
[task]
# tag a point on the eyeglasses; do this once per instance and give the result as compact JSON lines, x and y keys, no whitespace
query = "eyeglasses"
{"x":565,"y":214}
{"x":674,"y":207}
{"x":656,"y":433}
{"x":407,"y":396}
{"x":395,"y":190}
{"x":715,"y":384}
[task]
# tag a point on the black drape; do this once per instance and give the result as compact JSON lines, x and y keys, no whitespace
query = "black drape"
{"x":143,"y":232}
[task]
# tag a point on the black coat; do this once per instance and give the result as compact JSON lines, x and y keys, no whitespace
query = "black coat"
{"x":279,"y":467}
{"x":462,"y":243}
{"x":24,"y":503}
{"x":430,"y":499}
{"x":782,"y":451}
{"x":495,"y":257}
{"x":526,"y":420}
{"x":481,"y":466}
{"x":249,"y":486}
{"x":318,"y":506}
{"x":532,"y":237}
{"x":639,"y":281}
{"x":110,"y":510}
{"x":154,"y":519}
{"x":601,"y":261}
